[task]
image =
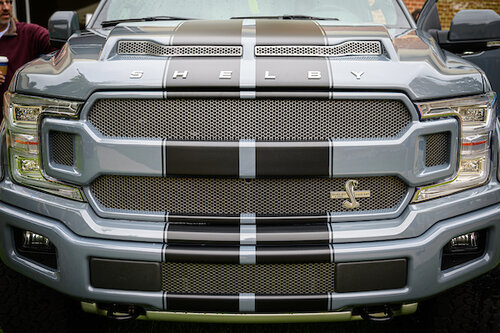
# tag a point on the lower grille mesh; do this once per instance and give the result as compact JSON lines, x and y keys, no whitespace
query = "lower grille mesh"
{"x":264,"y":279}
{"x":228,"y":196}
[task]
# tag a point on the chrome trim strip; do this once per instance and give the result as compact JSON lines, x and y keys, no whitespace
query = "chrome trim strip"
{"x":248,"y":318}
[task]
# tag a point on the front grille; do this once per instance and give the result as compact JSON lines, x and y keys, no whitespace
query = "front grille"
{"x":61,"y":148}
{"x":260,"y":119}
{"x":232,"y":196}
{"x":437,"y":149}
{"x":264,"y":279}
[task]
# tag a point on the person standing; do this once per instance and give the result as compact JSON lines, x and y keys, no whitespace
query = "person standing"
{"x":20,"y":42}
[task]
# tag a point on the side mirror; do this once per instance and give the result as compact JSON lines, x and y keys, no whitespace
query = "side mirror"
{"x":61,"y":26}
{"x":475,"y":25}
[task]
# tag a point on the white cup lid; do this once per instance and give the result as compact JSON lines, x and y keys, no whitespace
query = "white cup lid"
{"x":4,"y":59}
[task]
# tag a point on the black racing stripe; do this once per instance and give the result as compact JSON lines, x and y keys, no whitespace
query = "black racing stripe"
{"x":259,"y":220}
{"x":292,"y":159}
{"x":226,"y":220}
{"x":204,"y":234}
{"x":210,"y":234}
{"x":293,"y":235}
{"x":293,"y":254}
{"x":203,"y":254}
{"x":199,"y":32}
{"x":289,"y":220}
{"x":283,"y":32}
{"x":292,"y":73}
{"x":295,"y":303}
{"x":203,"y":303}
{"x":203,"y":72}
{"x":202,"y":158}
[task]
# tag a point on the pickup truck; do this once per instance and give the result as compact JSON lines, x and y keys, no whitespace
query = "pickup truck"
{"x":253,"y":161}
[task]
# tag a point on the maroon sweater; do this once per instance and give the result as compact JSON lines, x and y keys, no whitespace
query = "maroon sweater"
{"x":23,"y":42}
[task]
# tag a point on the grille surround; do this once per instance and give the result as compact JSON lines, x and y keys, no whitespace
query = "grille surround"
{"x":351,"y":48}
{"x":233,"y":196}
{"x":264,"y":279}
{"x":260,"y":119}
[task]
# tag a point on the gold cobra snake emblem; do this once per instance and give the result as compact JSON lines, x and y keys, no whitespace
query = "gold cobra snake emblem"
{"x":350,"y":186}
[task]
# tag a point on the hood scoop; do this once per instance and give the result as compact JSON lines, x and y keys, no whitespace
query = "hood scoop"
{"x":151,"y":48}
{"x":350,"y":48}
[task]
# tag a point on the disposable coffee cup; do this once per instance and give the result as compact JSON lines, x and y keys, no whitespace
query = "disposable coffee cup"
{"x":4,"y":62}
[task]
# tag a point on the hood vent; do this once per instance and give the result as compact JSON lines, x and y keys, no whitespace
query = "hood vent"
{"x":155,"y":49}
{"x":351,"y":48}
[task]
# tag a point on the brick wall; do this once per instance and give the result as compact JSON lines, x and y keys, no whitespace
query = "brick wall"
{"x":414,"y":4}
{"x":448,"y":8}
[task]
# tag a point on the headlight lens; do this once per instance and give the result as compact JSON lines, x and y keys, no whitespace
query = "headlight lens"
{"x":22,"y":116}
{"x":477,"y":119}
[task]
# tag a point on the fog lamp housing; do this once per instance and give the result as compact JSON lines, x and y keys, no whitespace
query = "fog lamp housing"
{"x":35,"y":247}
{"x":463,"y":248}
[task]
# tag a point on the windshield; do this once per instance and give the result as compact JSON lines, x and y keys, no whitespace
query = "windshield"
{"x":348,"y":12}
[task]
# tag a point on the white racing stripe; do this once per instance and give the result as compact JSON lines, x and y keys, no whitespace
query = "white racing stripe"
{"x":248,"y":63}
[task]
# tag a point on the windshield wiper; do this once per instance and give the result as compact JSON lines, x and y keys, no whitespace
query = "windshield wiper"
{"x":112,"y":23}
{"x":286,"y":17}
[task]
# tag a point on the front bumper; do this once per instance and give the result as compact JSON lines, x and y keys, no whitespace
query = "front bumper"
{"x":441,"y":220}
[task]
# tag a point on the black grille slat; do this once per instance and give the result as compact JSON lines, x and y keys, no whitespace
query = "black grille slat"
{"x":437,"y":151}
{"x":260,"y":119}
{"x":61,"y":148}
{"x":264,"y":279}
{"x":232,"y":196}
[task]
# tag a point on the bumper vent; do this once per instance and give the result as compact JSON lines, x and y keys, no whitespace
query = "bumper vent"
{"x":235,"y":119}
{"x":61,"y":148}
{"x":437,"y":149}
{"x":228,"y":196}
{"x":264,"y":279}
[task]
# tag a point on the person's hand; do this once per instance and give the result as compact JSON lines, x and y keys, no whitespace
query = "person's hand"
{"x":2,"y":79}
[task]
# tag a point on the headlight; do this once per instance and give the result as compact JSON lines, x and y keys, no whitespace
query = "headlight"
{"x":22,"y":115}
{"x":476,"y":116}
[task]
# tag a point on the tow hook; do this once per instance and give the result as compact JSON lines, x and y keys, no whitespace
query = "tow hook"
{"x":124,"y":312}
{"x":376,"y":314}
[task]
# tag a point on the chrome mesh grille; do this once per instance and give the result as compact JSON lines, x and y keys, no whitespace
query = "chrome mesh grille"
{"x":261,"y":119}
{"x":353,"y":48}
{"x":155,"y":49}
{"x":264,"y":279}
{"x":437,"y":151}
{"x":232,"y":196}
{"x":61,"y":148}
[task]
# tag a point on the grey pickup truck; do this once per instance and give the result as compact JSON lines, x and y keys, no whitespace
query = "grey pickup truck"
{"x":247,"y":161}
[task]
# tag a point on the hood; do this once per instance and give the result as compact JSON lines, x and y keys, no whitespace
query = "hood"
{"x":250,"y":56}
